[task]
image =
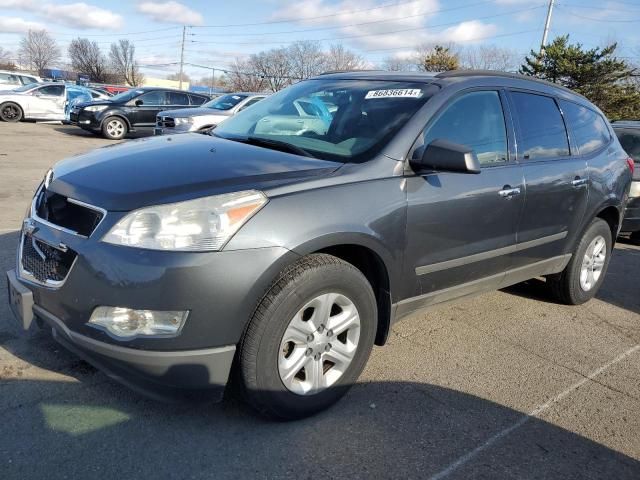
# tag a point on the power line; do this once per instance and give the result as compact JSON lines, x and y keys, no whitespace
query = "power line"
{"x":388,"y":20}
{"x":569,"y":12}
{"x":347,"y":37}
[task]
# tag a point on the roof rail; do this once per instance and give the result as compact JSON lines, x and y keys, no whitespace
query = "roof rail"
{"x":492,"y":73}
{"x":329,"y":72}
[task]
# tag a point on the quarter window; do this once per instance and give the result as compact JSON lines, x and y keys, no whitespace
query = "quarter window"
{"x":475,"y":120}
{"x":588,"y":128}
{"x":541,"y":127}
{"x":196,"y":100}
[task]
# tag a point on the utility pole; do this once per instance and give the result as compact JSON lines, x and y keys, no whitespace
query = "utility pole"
{"x":547,"y":24}
{"x":184,"y":33}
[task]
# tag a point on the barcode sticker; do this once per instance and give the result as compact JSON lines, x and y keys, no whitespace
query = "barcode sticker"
{"x":396,"y":93}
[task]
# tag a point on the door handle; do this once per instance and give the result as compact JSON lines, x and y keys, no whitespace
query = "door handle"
{"x":508,"y":192}
{"x":578,"y":182}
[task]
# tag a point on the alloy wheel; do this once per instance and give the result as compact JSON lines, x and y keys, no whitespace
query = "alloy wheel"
{"x":593,"y":263}
{"x":115,"y":128}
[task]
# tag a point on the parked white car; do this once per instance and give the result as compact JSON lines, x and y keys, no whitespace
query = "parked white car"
{"x":44,"y":101}
{"x":205,"y":117}
{"x":10,"y":80}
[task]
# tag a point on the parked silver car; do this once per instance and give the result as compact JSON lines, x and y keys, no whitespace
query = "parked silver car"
{"x":208,"y":115}
{"x":10,"y":80}
{"x":43,"y":101}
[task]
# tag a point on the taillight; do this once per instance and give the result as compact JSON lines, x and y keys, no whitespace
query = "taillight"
{"x":632,"y":165}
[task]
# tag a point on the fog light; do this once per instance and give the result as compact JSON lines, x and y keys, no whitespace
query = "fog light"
{"x":127,"y":323}
{"x":87,"y":122}
{"x":635,"y":190}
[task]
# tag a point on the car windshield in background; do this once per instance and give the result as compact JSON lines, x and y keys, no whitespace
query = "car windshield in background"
{"x":343,"y":120}
{"x":630,"y":141}
{"x":126,"y":96}
{"x":225,"y":102}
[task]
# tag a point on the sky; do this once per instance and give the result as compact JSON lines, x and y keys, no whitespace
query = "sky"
{"x":218,"y":31}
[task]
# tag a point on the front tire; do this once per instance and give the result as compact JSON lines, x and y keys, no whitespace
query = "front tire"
{"x":309,"y":339}
{"x":583,"y":276}
{"x":11,"y":112}
{"x":114,"y":128}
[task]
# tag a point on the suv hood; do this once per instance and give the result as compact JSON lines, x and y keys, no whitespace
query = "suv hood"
{"x":194,"y":112}
{"x":166,"y":169}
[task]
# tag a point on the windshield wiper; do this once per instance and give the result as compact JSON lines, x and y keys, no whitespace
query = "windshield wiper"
{"x":274,"y":145}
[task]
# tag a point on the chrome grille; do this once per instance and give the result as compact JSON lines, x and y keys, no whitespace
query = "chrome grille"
{"x":66,"y":214}
{"x":44,"y":264}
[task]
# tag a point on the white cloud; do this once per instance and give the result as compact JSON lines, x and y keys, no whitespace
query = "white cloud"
{"x":170,"y":12}
{"x":18,"y":25}
{"x":369,"y":26}
{"x":81,"y":15}
{"x":76,"y":15}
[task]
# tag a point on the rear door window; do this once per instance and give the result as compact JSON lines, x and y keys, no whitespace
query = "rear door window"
{"x":477,"y":121}
{"x":542,"y":130}
{"x":197,"y":100}
{"x":52,"y":90}
{"x":8,"y":79}
{"x":177,"y":98}
{"x":589,"y":129}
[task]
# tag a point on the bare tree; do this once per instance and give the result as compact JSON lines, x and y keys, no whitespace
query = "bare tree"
{"x":86,"y":57}
{"x":39,"y":50}
{"x":340,"y":58}
{"x":489,"y":57}
{"x":242,"y":78}
{"x":399,"y":64}
{"x":6,"y":62}
{"x":274,"y":66}
{"x":124,"y":64}
{"x":176,"y":77}
{"x":306,"y":59}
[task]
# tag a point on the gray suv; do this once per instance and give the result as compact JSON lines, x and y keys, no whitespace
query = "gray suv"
{"x":275,"y":251}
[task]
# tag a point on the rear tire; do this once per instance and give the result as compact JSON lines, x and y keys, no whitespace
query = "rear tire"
{"x":581,"y":279}
{"x":11,"y":112}
{"x":290,"y":363}
{"x":114,"y":128}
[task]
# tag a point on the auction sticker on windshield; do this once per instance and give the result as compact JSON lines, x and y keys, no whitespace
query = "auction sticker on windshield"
{"x":395,"y":93}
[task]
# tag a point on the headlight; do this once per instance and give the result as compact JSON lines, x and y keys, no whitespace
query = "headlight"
{"x":183,"y":121}
{"x":95,"y":108}
{"x":196,"y":225}
{"x":635,"y":190}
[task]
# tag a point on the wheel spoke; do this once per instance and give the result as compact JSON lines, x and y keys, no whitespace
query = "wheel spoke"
{"x":340,"y":354}
{"x":344,"y":320}
{"x":315,"y":374}
{"x":289,"y":367}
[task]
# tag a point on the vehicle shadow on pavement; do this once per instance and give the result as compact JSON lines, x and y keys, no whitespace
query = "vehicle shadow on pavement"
{"x":380,"y":430}
{"x":615,"y":290}
{"x":79,"y":132}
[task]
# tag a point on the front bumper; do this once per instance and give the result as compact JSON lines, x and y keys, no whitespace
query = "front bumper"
{"x":166,"y":130}
{"x":631,"y":221}
{"x":84,"y":119}
{"x":219,"y":289}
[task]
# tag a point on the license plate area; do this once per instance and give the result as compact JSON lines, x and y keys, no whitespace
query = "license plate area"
{"x":20,"y":300}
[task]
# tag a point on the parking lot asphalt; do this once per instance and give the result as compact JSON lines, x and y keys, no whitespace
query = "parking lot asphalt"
{"x":504,"y":385}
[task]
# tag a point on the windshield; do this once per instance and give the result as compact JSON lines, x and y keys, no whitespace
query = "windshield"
{"x":126,"y":96}
{"x":344,"y":120}
{"x":26,"y":88}
{"x":225,"y":102}
{"x":630,"y":141}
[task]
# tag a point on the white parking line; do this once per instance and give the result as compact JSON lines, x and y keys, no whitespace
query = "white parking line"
{"x":534,"y":413}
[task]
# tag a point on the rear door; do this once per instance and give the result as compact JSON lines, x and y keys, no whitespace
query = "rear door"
{"x":556,"y":181}
{"x":461,"y":227}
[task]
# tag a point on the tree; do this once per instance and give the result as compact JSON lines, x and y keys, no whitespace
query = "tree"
{"x":124,"y":64}
{"x":489,"y":57}
{"x":398,"y":64}
{"x":596,"y":73}
{"x":86,"y":57}
{"x":306,"y":59}
{"x":39,"y":50}
{"x":339,"y":58}
{"x":6,"y":62}
{"x":274,"y":66}
{"x":176,"y":77}
{"x":438,"y":59}
{"x":243,"y":79}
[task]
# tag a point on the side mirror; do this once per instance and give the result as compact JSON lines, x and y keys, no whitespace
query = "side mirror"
{"x":138,"y":102}
{"x":445,"y":156}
